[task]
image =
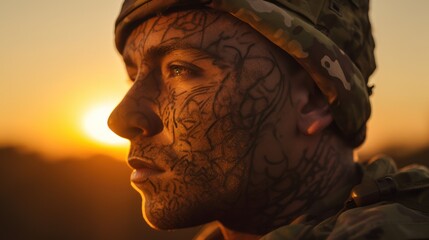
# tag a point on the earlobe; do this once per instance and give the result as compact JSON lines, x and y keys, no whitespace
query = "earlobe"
{"x":313,"y":109}
{"x":315,"y":121}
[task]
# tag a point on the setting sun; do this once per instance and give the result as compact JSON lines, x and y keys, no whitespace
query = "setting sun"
{"x":95,"y":125}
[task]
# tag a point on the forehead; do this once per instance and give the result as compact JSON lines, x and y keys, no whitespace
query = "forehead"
{"x":196,"y":28}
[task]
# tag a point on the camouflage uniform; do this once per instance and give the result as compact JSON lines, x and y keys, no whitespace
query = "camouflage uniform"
{"x":388,"y":204}
{"x":332,"y":41}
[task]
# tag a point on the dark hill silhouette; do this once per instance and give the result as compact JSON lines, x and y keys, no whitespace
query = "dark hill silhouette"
{"x":84,"y":199}
{"x":70,"y":199}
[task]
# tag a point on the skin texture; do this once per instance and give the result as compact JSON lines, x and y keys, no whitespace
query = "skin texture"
{"x":237,"y":128}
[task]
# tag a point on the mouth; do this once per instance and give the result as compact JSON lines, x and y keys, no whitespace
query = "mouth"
{"x":143,"y":169}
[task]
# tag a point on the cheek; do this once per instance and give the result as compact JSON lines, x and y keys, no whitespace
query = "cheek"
{"x":199,"y":114}
{"x":200,"y":120}
{"x":190,"y":112}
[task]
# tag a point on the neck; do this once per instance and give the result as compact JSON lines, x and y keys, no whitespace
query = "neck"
{"x":322,"y":169}
{"x":230,"y":234}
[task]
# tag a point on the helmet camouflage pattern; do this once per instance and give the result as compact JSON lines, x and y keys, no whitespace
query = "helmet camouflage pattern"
{"x":330,"y":39}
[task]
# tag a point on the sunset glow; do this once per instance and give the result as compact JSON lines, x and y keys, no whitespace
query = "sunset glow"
{"x":95,"y":125}
{"x":58,"y":72}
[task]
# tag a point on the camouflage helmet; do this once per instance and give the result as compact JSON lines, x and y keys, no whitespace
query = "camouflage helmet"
{"x":330,"y":39}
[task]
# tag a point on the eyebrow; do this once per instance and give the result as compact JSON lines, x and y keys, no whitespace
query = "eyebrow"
{"x":157,"y":52}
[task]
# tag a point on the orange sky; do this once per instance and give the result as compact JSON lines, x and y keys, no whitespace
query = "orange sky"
{"x":58,"y":60}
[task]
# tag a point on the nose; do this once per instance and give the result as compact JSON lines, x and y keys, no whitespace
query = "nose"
{"x":132,"y":118}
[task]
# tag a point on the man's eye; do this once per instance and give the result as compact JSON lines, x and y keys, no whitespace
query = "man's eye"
{"x":182,"y":70}
{"x":178,"y":71}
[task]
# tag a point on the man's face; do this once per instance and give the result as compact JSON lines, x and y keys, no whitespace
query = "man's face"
{"x":209,"y":119}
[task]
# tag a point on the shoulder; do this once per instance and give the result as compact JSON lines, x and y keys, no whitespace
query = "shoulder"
{"x":404,"y":213}
{"x":381,"y":221}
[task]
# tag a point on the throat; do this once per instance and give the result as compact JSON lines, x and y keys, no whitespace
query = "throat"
{"x":313,"y":189}
{"x":229,"y":234}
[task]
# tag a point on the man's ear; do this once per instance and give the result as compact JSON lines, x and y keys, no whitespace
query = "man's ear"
{"x":312,"y":107}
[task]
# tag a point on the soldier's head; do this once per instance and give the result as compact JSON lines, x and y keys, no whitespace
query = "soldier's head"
{"x":241,"y":108}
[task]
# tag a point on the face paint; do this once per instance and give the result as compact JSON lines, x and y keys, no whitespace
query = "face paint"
{"x":211,"y":124}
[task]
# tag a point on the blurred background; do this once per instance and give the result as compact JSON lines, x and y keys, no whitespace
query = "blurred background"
{"x":62,"y":176}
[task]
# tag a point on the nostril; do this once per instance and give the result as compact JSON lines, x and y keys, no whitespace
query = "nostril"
{"x":122,"y":128}
{"x":118,"y":125}
{"x":131,"y":133}
{"x":139,"y":120}
{"x":129,"y":124}
{"x":147,"y":122}
{"x":154,"y":127}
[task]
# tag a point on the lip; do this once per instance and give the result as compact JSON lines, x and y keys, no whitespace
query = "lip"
{"x":143,"y":169}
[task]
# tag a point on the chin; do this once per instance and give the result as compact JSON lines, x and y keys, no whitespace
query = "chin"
{"x":159,"y":217}
{"x":174,"y":221}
